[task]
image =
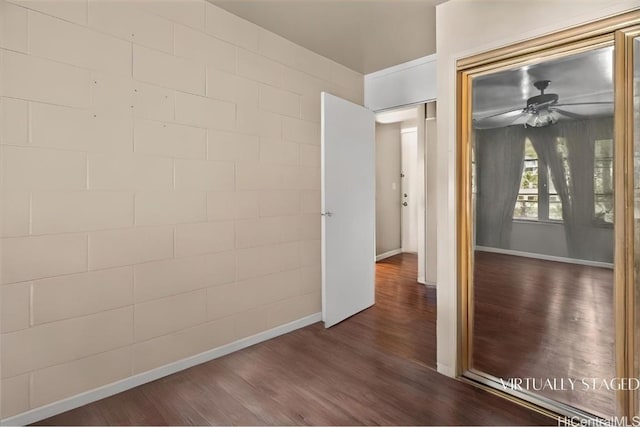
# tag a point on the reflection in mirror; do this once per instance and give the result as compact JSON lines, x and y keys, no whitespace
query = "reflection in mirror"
{"x":543,"y":232}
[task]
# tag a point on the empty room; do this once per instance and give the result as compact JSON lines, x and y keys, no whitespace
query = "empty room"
{"x":319,"y":212}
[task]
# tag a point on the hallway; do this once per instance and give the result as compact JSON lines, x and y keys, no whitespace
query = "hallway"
{"x":374,"y":368}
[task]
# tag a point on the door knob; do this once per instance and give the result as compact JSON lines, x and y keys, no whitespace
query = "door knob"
{"x":405,"y":204}
{"x":326,"y":213}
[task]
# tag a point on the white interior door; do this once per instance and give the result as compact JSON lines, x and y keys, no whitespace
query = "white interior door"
{"x":348,"y":206}
{"x":409,"y":196}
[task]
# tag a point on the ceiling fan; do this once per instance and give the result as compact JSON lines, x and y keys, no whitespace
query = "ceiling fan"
{"x":541,"y":110}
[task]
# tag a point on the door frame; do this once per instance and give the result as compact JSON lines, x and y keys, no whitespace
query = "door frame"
{"x":422,"y":169}
{"x":617,"y":31}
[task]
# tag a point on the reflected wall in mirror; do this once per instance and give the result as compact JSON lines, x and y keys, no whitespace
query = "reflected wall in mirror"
{"x":543,"y":281}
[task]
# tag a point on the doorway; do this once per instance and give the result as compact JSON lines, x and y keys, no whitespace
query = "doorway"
{"x":355,"y":160}
{"x":397,"y":180}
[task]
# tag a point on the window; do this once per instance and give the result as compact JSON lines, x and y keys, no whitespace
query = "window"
{"x":528,"y":197}
{"x":603,"y":181}
{"x":537,"y":198}
{"x":555,"y":204}
{"x":535,"y":203}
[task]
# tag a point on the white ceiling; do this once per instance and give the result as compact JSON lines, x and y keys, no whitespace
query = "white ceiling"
{"x":398,"y":115}
{"x":364,"y":35}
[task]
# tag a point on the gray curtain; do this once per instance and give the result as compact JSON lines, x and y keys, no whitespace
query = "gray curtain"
{"x":580,"y":138}
{"x":574,"y":180}
{"x":500,"y":159}
{"x":545,"y":142}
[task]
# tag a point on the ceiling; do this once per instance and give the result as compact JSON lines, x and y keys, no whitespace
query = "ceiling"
{"x":397,"y":115}
{"x":364,"y":35}
{"x":585,"y":77}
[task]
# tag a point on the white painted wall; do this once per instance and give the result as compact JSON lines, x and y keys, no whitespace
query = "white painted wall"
{"x":548,"y":238}
{"x":160,"y":168}
{"x":410,"y":83}
{"x":388,"y":165}
{"x":431,"y":223}
{"x":464,"y":28}
{"x":421,"y":190}
{"x":539,"y":238}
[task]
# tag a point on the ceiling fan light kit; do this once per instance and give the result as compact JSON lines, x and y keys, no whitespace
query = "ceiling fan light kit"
{"x":538,"y":107}
{"x":542,"y":118}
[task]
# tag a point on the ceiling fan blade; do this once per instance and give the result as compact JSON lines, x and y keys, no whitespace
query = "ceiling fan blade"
{"x":542,"y":105}
{"x":478,"y":124}
{"x":508,"y":113}
{"x":585,"y":103}
{"x":517,"y":118}
{"x":569,"y":114}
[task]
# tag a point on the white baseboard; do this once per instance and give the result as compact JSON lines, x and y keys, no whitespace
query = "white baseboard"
{"x":87,"y":397}
{"x":388,"y":254}
{"x":545,"y":257}
{"x":407,"y":251}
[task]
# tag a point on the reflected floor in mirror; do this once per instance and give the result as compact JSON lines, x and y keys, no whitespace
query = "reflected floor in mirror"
{"x":544,"y":320}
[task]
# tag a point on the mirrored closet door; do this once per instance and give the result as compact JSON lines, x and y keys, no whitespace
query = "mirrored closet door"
{"x":549,"y":239}
{"x":543,"y":250}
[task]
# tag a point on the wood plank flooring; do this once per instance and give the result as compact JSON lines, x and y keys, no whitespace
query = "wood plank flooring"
{"x":545,"y":319}
{"x":374,"y":368}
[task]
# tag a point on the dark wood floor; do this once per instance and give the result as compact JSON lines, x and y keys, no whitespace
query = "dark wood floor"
{"x":374,"y":368}
{"x":544,"y":319}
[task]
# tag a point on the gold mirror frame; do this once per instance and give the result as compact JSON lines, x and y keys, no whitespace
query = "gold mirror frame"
{"x":618,"y":31}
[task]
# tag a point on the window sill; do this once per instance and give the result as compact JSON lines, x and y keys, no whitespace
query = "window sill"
{"x":538,"y":221}
{"x":600,"y":224}
{"x":597,"y":224}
